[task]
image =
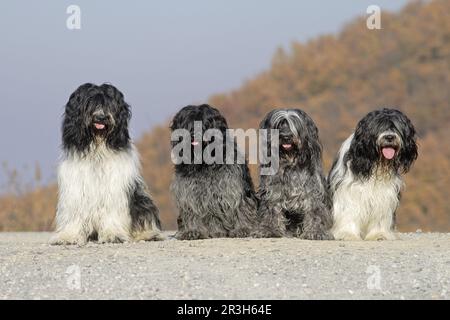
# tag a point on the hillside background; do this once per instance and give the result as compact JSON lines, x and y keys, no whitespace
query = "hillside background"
{"x":337,"y":79}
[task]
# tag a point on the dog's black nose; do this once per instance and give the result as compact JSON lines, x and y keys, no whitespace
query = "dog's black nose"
{"x":389,"y":137}
{"x":285,"y":135}
{"x":100,"y":118}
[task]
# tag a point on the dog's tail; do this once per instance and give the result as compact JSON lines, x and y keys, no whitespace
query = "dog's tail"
{"x":146,"y":224}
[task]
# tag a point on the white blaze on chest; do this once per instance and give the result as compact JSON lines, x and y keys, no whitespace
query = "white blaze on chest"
{"x":98,"y":183}
{"x":370,"y":199}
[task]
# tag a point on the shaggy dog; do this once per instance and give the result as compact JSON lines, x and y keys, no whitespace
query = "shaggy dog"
{"x":294,"y":201}
{"x":365,"y":180}
{"x":102,"y":195}
{"x":214,"y":200}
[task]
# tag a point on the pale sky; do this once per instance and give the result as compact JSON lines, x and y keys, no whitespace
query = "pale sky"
{"x":162,"y":55}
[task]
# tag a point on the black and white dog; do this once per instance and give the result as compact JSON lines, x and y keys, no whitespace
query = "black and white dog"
{"x":214,"y":200}
{"x":102,"y":195}
{"x":294,"y":201}
{"x":365,"y":180}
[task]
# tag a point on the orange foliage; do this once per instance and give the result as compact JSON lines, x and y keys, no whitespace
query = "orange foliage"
{"x":337,"y":79}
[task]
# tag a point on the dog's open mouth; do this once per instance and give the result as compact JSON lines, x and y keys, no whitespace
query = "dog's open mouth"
{"x":99,"y":126}
{"x":286,"y":146}
{"x":388,"y":152}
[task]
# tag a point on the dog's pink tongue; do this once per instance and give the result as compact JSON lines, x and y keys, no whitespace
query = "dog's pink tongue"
{"x":388,"y":153}
{"x":99,"y":126}
{"x":195,"y":143}
{"x":286,"y":146}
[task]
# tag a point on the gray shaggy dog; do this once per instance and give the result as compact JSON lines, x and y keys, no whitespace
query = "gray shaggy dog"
{"x":294,"y":201}
{"x":214,"y":200}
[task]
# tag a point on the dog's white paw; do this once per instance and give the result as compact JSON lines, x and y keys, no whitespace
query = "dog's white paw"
{"x":60,"y":239}
{"x":109,"y":237}
{"x":319,"y":235}
{"x":240,"y":233}
{"x":148,"y":236}
{"x":380,"y":236}
{"x":190,"y":235}
{"x":347,"y":236}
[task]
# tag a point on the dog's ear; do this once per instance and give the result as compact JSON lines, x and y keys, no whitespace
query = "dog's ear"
{"x":78,"y":98}
{"x":363,"y":152}
{"x":120,"y":137}
{"x":267,"y":125}
{"x":180,"y":118}
{"x":266,"y":122}
{"x":75,"y":133}
{"x":409,"y":151}
{"x":313,"y":142}
{"x":311,"y":152}
{"x":218,"y":121}
{"x":174,"y":124}
{"x":123,"y":119}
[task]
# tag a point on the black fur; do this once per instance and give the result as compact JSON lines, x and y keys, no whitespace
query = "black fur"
{"x":78,"y":130}
{"x":142,"y":208}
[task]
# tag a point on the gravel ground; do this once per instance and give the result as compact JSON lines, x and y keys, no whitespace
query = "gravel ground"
{"x":415,"y":267}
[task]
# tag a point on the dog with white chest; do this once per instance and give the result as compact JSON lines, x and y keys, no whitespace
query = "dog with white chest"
{"x":102,"y":195}
{"x":366,"y":178}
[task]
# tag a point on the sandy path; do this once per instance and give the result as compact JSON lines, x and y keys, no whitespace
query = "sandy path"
{"x":417,"y":266}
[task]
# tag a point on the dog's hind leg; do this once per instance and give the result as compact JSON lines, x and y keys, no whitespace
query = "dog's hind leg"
{"x":145,"y":223}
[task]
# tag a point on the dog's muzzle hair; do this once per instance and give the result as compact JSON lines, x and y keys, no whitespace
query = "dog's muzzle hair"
{"x":294,"y":201}
{"x":102,"y":195}
{"x":365,"y":180}
{"x":213,"y":200}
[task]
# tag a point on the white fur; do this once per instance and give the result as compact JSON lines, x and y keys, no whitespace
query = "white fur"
{"x":287,"y":115}
{"x":363,"y":209}
{"x":94,"y":195}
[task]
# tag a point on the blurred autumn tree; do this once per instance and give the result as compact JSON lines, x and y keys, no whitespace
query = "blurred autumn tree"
{"x":337,"y":79}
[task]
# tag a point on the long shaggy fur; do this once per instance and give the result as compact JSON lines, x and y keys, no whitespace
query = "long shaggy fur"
{"x":365,"y":180}
{"x":101,"y":192}
{"x":213,"y":200}
{"x":294,"y":201}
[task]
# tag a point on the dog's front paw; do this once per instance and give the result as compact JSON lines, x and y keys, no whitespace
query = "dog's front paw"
{"x":148,"y":236}
{"x":111,"y":239}
{"x":190,"y":235}
{"x":106,"y":237}
{"x":267,"y":233}
{"x":65,"y":239}
{"x":380,"y":236}
{"x":240,"y":233}
{"x":317,"y":235}
{"x":347,"y":236}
